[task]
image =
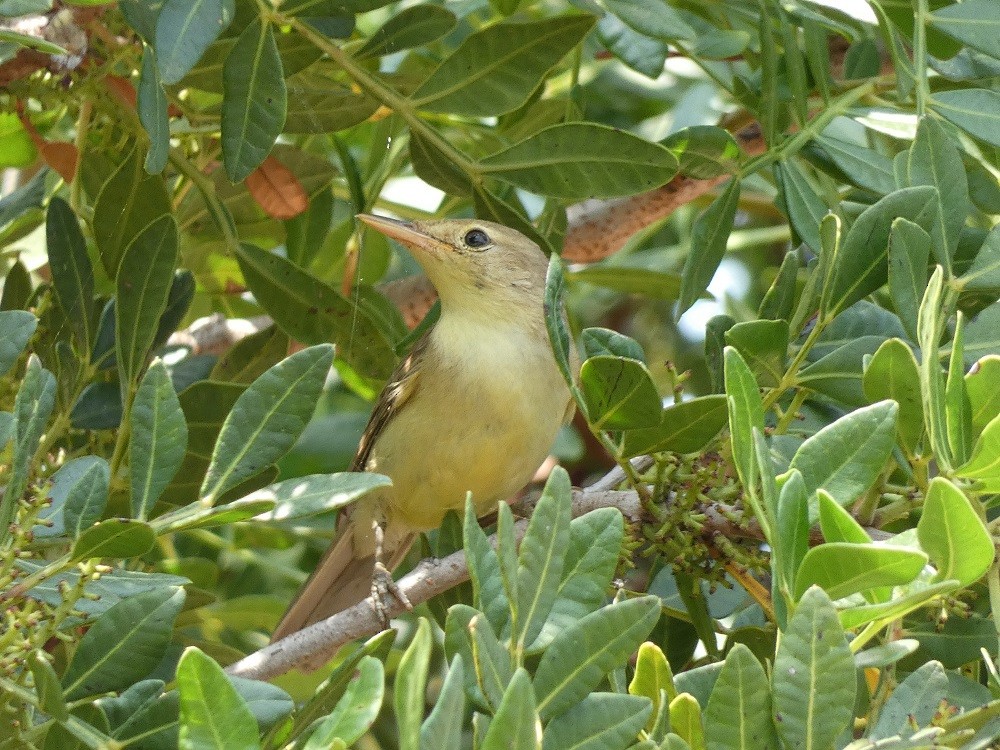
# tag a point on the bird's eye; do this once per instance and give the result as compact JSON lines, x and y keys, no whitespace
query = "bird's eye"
{"x":477,"y":238}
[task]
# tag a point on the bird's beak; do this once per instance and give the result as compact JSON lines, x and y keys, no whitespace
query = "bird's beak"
{"x":405,"y":232}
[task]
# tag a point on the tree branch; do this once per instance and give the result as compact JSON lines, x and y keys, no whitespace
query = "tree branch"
{"x":431,"y":577}
{"x":428,"y":579}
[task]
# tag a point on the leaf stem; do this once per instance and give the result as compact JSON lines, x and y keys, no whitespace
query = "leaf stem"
{"x":920,"y":12}
{"x":811,"y":129}
{"x":388,"y":96}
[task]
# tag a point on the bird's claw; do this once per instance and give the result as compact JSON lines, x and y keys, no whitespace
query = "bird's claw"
{"x":382,"y":582}
{"x":382,"y":586}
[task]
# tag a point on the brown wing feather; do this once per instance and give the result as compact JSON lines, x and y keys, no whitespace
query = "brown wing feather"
{"x":400,"y":387}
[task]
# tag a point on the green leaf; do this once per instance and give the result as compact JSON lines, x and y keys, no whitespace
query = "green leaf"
{"x":580,"y":656}
{"x":197,"y":516}
{"x":601,"y":721}
{"x":953,"y":534}
{"x":157,"y":440}
{"x":686,"y":427}
{"x":212,"y":712}
{"x":124,"y":644}
{"x":779,"y":300}
{"x":709,"y":236}
{"x":984,"y":273}
{"x":435,"y":167}
{"x":655,"y":284}
{"x":837,"y":524}
{"x":975,"y":23}
{"x":33,"y":405}
{"x":984,"y":396}
{"x":319,"y":104}
{"x":515,"y":725}
{"x":582,"y":160}
{"x":143,"y":285}
{"x":909,"y":252}
{"x":704,"y":151}
{"x":266,"y":420}
{"x":496,"y":69}
{"x":792,"y":543}
{"x":738,"y":714}
{"x":468,"y":634}
{"x":604,"y":341}
{"x":16,"y":329}
{"x":301,"y":497}
{"x":640,"y":53}
{"x":50,"y":693}
{"x":958,"y":410}
{"x":861,"y":264}
{"x":484,"y":570}
{"x":846,"y":457}
{"x":116,"y":537}
{"x":555,"y":319}
{"x":813,"y":660}
{"x":864,"y":167}
{"x":333,"y":689}
{"x":184,"y":29}
{"x":893,"y":374}
{"x":916,"y":596}
{"x":654,"y":680}
{"x":619,"y":393}
{"x":651,"y":18}
{"x":410,"y":687}
{"x":686,"y":720}
{"x":838,"y":374}
{"x":886,"y":654}
{"x":443,"y":728}
{"x":80,"y":486}
{"x":595,"y":542}
{"x":976,"y":111}
{"x":763,"y":345}
{"x":72,"y":274}
{"x":541,"y":558}
{"x":128,"y":202}
{"x":802,"y":203}
{"x":914,"y":703}
{"x":930,"y":326}
{"x":355,"y":712}
{"x":312,"y":312}
{"x":842,"y":568}
{"x":934,"y":160}
{"x":255,"y":100}
{"x":746,"y":412}
{"x":412,"y":27}
{"x":152,"y":107}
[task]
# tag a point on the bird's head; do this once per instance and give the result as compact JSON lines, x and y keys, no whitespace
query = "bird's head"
{"x":474,"y":265}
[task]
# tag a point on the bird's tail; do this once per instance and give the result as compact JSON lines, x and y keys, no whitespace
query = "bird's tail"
{"x":340,"y":581}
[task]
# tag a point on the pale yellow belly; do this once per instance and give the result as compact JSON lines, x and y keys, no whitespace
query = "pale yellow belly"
{"x":482,"y":429}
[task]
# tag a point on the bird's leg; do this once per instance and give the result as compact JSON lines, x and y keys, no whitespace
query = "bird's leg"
{"x":382,"y":582}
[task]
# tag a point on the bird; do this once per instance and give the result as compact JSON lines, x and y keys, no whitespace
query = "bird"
{"x":474,"y":407}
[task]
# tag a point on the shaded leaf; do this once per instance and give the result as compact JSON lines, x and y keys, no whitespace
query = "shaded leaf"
{"x":496,"y":69}
{"x":143,"y":286}
{"x":708,"y":244}
{"x":266,"y":420}
{"x":582,"y":160}
{"x":255,"y":100}
{"x":124,"y":644}
{"x":157,"y":440}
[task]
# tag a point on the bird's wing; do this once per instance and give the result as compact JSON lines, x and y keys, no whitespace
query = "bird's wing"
{"x":397,"y":391}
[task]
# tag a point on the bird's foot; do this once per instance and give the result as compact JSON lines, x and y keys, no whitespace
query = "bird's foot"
{"x":383,"y":583}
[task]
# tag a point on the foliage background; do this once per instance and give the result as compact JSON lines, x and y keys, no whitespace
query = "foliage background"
{"x":816,"y":528}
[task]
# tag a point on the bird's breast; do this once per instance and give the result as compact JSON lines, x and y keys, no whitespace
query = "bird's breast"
{"x":482,"y":420}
